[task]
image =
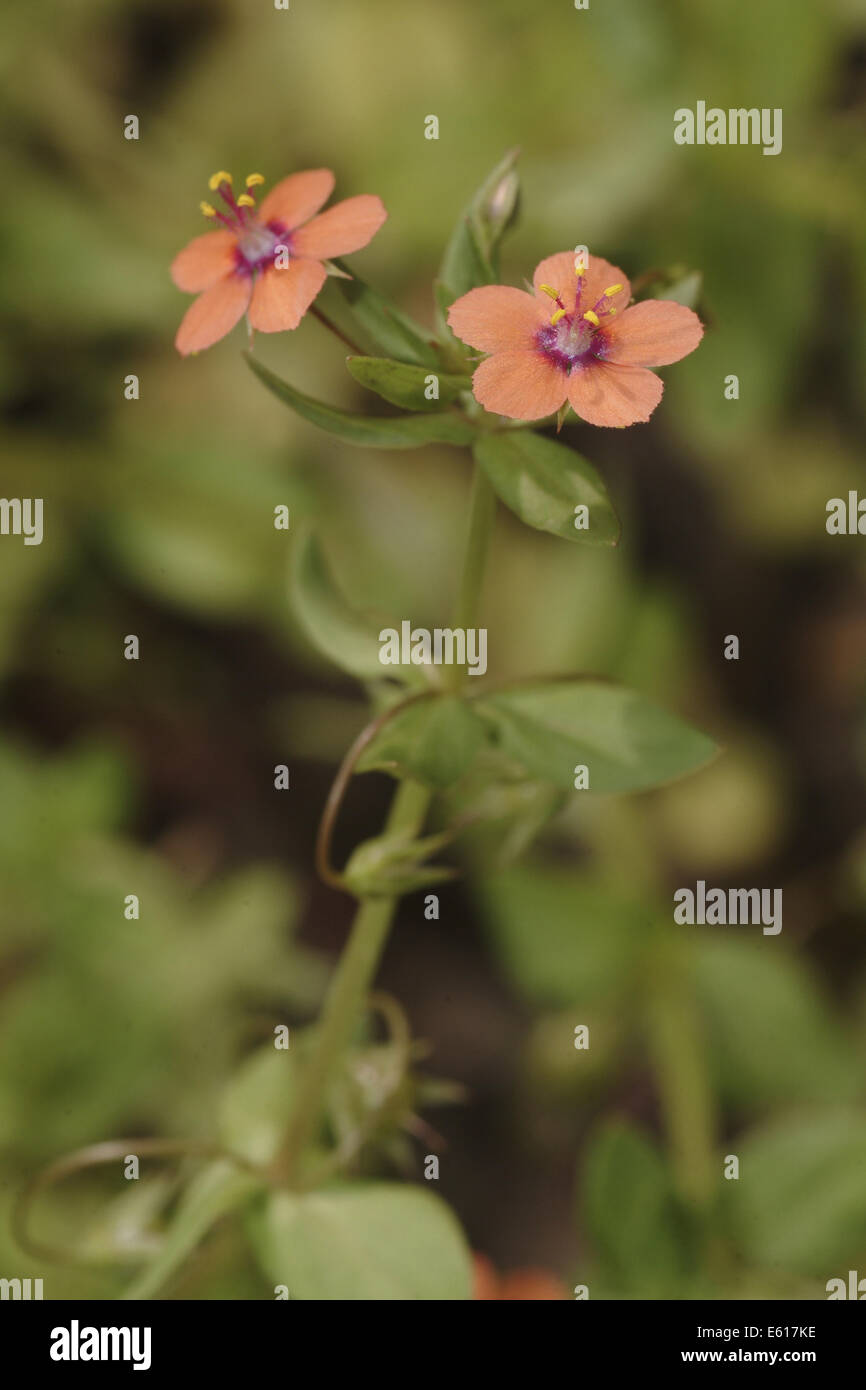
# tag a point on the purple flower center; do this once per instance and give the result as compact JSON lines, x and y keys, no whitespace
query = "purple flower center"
{"x":571,"y":342}
{"x":260,"y":243}
{"x":575,"y":337}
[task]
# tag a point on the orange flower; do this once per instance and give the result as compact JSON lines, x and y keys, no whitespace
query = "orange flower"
{"x":267,"y":261}
{"x":521,"y":1285}
{"x":586,"y":348}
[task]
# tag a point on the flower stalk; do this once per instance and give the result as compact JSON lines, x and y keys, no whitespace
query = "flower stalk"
{"x":358,"y":964}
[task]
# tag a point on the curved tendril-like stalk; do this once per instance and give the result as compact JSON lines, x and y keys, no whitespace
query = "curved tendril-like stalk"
{"x":93,"y":1156}
{"x":327,"y":873}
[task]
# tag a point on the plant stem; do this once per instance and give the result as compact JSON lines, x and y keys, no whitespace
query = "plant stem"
{"x":675,"y":1034}
{"x":679,"y":1054}
{"x":359,"y":961}
{"x":349,"y":986}
{"x":319,"y":314}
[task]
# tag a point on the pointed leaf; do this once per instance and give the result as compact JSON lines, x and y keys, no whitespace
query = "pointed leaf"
{"x":386,"y":328}
{"x":543,"y":482}
{"x":631,"y":1212}
{"x":404,"y":385}
{"x":627,"y":743}
{"x":465,"y":264}
{"x":401,"y":432}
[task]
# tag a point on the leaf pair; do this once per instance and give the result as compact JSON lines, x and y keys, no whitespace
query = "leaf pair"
{"x":548,"y":486}
{"x":542,"y":731}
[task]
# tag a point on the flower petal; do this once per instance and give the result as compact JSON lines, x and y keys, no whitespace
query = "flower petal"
{"x":485,"y":1280}
{"x":608,"y":394}
{"x":652,"y":333}
{"x":494,"y":317}
{"x":298,"y":198}
{"x":558,"y":272}
{"x":522,"y":385}
{"x":213,"y":314}
{"x":282,"y":297}
{"x":528,"y":1285}
{"x":345,"y":227}
{"x":204,"y":261}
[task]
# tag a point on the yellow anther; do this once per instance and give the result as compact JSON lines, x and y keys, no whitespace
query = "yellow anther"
{"x":245,"y":201}
{"x":613,"y":289}
{"x":253,"y":179}
{"x":591,"y":317}
{"x":557,"y":316}
{"x":580,"y":265}
{"x":548,"y":289}
{"x":216,"y":179}
{"x":207,"y":210}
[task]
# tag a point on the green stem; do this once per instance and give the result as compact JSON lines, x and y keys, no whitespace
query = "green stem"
{"x":349,"y":987}
{"x":358,"y":963}
{"x":675,"y":1033}
{"x":679,"y":1055}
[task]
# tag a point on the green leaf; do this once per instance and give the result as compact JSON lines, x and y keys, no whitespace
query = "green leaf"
{"x":631,"y":1212}
{"x":772,"y":1036}
{"x":543,"y":482}
{"x":257,"y":1103}
{"x":434,"y":741}
{"x":627,"y":743}
{"x":213,"y":1193}
{"x":402,"y":432}
{"x":464,"y":265}
{"x":370,"y":1241}
{"x":584,"y":945}
{"x":800,"y":1200}
{"x":333,"y":627}
{"x":406,"y":386}
{"x":387,"y":328}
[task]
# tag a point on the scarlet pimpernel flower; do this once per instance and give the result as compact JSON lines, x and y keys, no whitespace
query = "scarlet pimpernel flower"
{"x":266,"y":260}
{"x":573,"y":339}
{"x":520,"y":1286}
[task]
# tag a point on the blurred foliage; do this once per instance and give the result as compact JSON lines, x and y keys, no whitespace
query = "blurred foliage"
{"x":156,"y":779}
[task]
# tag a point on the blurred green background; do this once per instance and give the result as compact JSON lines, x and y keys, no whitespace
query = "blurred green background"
{"x":156,"y":777}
